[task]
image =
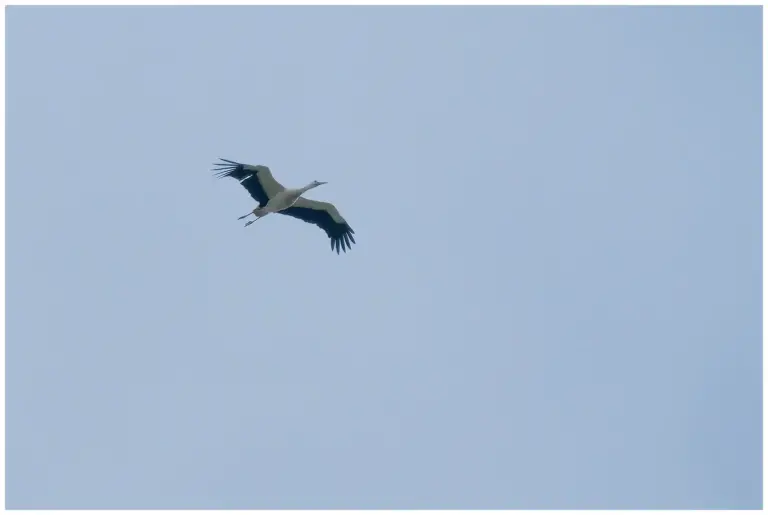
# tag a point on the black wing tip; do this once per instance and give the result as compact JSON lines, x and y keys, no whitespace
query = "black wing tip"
{"x":339,"y":233}
{"x":342,"y":242}
{"x":226,"y":163}
{"x":226,"y":168}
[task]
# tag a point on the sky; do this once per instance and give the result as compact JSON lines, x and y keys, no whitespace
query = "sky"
{"x":554,"y":300}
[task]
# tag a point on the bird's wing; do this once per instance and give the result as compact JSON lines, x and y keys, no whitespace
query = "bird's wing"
{"x":257,"y":180}
{"x":325,"y":216}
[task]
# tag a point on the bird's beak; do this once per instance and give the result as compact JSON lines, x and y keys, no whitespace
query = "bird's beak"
{"x":321,"y":183}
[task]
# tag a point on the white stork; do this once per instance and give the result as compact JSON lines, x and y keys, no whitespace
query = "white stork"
{"x":273,"y":197}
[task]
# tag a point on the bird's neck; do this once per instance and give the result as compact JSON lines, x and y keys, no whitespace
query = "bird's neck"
{"x":306,"y":188}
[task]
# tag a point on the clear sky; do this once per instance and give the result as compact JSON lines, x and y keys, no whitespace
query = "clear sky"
{"x":554,"y":300}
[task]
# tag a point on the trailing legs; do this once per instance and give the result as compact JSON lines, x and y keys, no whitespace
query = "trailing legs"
{"x":251,"y":221}
{"x":258,"y":213}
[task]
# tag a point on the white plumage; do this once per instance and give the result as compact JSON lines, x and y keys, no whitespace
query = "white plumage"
{"x":273,"y":197}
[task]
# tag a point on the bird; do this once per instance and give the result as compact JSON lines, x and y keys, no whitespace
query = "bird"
{"x":273,"y":197}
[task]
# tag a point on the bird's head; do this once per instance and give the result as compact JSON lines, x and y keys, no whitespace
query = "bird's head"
{"x":315,"y":184}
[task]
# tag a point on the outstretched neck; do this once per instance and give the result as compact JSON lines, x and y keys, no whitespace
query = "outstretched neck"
{"x":307,"y":188}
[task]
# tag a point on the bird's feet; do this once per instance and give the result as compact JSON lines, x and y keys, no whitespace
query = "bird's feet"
{"x":250,"y":222}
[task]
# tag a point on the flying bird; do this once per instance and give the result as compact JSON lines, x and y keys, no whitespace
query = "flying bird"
{"x":273,"y":197}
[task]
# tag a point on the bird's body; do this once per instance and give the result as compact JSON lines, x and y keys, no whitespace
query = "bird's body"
{"x":282,"y":200}
{"x":274,"y":198}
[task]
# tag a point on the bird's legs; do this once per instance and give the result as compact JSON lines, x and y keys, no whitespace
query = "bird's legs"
{"x":258,"y":213}
{"x":251,"y":221}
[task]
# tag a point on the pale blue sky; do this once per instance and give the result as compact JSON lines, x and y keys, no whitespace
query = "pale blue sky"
{"x":554,"y":300}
